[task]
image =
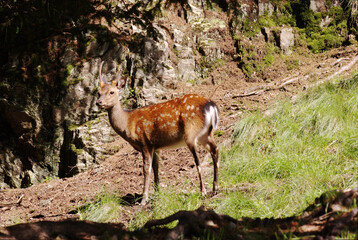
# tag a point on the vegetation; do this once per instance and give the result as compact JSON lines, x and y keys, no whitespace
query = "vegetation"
{"x":106,"y":209}
{"x":319,"y":31}
{"x":279,"y":162}
{"x":252,"y":62}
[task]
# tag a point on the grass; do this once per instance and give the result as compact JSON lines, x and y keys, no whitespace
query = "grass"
{"x":279,"y":161}
{"x":294,"y":154}
{"x":105,"y":209}
{"x":167,"y":202}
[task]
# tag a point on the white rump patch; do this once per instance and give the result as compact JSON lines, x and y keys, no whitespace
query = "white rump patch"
{"x":211,"y":119}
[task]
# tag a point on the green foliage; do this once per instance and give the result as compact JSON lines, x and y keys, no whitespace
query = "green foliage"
{"x":48,"y":179}
{"x":208,"y":64}
{"x":319,"y":39}
{"x":253,"y":63}
{"x":322,"y":42}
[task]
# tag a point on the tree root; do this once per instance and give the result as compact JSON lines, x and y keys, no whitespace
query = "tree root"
{"x":195,"y":223}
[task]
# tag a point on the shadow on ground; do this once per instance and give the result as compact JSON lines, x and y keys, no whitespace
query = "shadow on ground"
{"x":333,"y":215}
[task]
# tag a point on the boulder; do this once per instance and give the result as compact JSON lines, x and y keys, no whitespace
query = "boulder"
{"x":286,"y":40}
{"x":318,"y":5}
{"x":265,"y":6}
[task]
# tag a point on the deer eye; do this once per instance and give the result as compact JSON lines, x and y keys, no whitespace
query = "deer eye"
{"x":111,"y":92}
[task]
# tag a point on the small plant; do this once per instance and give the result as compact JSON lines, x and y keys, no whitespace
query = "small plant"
{"x":48,"y":179}
{"x":105,"y":209}
{"x":218,"y":133}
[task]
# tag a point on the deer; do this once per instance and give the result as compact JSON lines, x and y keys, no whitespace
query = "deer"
{"x":189,"y":120}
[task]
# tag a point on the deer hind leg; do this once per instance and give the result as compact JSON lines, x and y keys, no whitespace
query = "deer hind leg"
{"x":147,"y":169}
{"x":213,"y":149}
{"x":193,"y":150}
{"x":156,"y":159}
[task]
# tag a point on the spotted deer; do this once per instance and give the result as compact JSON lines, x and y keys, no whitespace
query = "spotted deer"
{"x":190,"y":120}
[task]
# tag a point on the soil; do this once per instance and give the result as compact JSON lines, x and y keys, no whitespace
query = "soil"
{"x":58,"y":200}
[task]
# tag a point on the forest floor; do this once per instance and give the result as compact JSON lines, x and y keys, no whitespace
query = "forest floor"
{"x":58,"y":200}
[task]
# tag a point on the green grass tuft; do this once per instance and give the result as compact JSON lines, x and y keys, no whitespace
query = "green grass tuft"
{"x":106,"y":209}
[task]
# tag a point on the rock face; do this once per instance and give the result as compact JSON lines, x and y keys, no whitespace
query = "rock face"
{"x":52,"y":127}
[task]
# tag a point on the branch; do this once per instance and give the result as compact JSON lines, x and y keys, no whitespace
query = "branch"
{"x":271,"y":87}
{"x":345,"y":68}
{"x":261,"y":89}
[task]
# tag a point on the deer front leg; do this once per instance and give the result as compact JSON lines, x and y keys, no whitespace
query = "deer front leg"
{"x":147,"y":169}
{"x":156,"y":159}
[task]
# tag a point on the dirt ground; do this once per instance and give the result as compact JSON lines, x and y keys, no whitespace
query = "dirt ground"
{"x":121,"y":173}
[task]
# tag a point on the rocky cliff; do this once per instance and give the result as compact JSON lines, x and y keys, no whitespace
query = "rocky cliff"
{"x":51,"y":50}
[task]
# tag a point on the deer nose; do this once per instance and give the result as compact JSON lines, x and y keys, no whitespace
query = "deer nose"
{"x":99,"y":103}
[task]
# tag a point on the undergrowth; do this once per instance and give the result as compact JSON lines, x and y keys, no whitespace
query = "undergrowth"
{"x":279,"y":161}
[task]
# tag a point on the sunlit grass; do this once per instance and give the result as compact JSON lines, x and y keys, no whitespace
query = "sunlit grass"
{"x":292,"y":154}
{"x":165,"y":203}
{"x":106,"y":209}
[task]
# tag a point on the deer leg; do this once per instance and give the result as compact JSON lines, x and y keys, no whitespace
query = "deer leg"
{"x":213,"y":149}
{"x":198,"y":167}
{"x":155,"y":164}
{"x":147,"y":169}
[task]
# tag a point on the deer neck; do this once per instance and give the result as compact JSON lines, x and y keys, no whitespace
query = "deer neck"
{"x":118,"y":117}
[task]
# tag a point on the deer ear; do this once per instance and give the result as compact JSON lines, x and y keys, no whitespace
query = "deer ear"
{"x":121,"y":83}
{"x":114,"y":83}
{"x":120,"y":80}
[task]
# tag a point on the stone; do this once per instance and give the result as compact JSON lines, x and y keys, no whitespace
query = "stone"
{"x":186,"y":69}
{"x":286,"y":40}
{"x":268,"y":35}
{"x":265,"y":6}
{"x":318,"y":5}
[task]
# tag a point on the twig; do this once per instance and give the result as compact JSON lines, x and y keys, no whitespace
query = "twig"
{"x":212,"y":94}
{"x":12,"y":204}
{"x":271,"y":87}
{"x":339,"y":60}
